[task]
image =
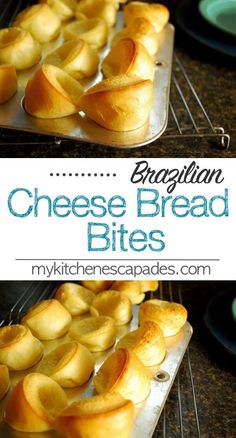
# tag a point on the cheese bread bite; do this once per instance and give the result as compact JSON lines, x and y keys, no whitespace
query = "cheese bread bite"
{"x":141,"y":30}
{"x":123,"y":372}
{"x":100,"y":416}
{"x":17,"y":47}
{"x":48,"y":320}
{"x":93,"y":31}
{"x":168,"y":315}
{"x":97,"y":285}
{"x":40,"y":20}
{"x":104,"y":9}
{"x":4,"y":380}
{"x":8,"y":82}
{"x":147,"y":342}
{"x":130,"y":289}
{"x":119,"y":103}
{"x":64,"y":9}
{"x":52,"y":93}
{"x":34,"y":403}
{"x":148,"y":285}
{"x":75,"y":298}
{"x":96,"y":333}
{"x":156,"y":13}
{"x":19,"y":349}
{"x":130,"y":57}
{"x":70,"y":364}
{"x":75,"y":57}
{"x":114,"y":304}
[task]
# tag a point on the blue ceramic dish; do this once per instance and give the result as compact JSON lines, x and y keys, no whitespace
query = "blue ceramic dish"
{"x":220,"y":13}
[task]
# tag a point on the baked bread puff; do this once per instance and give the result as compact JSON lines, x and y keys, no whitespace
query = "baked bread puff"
{"x":34,"y":403}
{"x":148,"y":285}
{"x":119,"y":103}
{"x":19,"y":349}
{"x":75,"y":57}
{"x":96,"y":333}
{"x":40,"y":20}
{"x":123,"y":372}
{"x":17,"y":47}
{"x":156,"y":13}
{"x":168,"y":315}
{"x":8,"y":82}
{"x":114,"y":304}
{"x":129,"y":57}
{"x":104,"y":9}
{"x":100,"y":416}
{"x":130,"y":289}
{"x":70,"y":364}
{"x":97,"y":285}
{"x":75,"y":298}
{"x":93,"y":31}
{"x":52,"y":93}
{"x":4,"y":380}
{"x":147,"y":342}
{"x":48,"y":320}
{"x":64,"y":9}
{"x":142,"y":30}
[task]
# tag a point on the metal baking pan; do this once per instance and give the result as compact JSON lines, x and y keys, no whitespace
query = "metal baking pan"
{"x":148,"y":412}
{"x":78,"y":126}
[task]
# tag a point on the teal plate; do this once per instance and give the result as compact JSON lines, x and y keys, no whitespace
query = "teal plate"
{"x":233,"y":308}
{"x":220,"y":13}
{"x":219,"y":319}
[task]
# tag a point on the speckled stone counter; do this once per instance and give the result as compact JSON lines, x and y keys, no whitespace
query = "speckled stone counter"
{"x":206,"y":362}
{"x":214,"y":79}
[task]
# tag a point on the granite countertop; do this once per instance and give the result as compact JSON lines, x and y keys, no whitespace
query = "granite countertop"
{"x":212,"y":368}
{"x":214,"y":78}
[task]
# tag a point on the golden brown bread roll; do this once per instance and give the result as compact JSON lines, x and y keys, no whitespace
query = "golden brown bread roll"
{"x":93,"y":31}
{"x":47,"y":319}
{"x":4,"y":380}
{"x":119,"y":103}
{"x":34,"y":403}
{"x":141,"y":30}
{"x":43,"y":24}
{"x":52,"y":93}
{"x":19,"y":349}
{"x":17,"y":47}
{"x":8,"y":82}
{"x":168,"y":315}
{"x":157,"y":14}
{"x":147,"y":342}
{"x":64,"y":9}
{"x":131,"y":289}
{"x":75,"y":57}
{"x":100,"y":416}
{"x":123,"y":372}
{"x":75,"y":298}
{"x":104,"y":9}
{"x":70,"y":364}
{"x":148,"y":285}
{"x":129,"y":57}
{"x":114,"y":304}
{"x":97,"y":285}
{"x":96,"y":333}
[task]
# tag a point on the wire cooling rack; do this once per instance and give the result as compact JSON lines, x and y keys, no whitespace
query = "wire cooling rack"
{"x":183,"y":390}
{"x":188,"y":118}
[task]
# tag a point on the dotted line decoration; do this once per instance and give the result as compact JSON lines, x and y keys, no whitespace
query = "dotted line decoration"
{"x":83,"y":174}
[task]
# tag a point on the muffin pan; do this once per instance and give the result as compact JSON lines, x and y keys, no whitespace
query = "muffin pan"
{"x":79,"y":127}
{"x":148,"y":412}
